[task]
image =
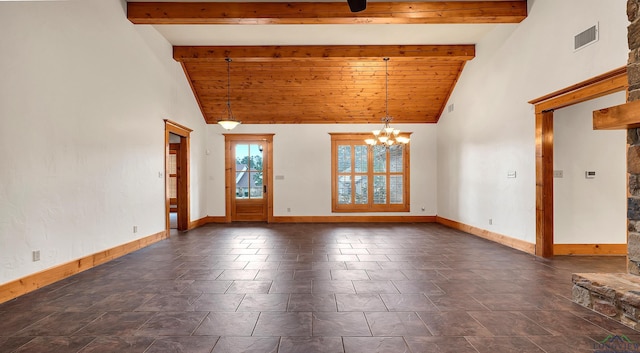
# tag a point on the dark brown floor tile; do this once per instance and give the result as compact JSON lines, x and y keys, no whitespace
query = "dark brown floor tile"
{"x":340,"y":324}
{"x":237,"y":275}
{"x":416,"y":286}
{"x":264,"y":302}
{"x":407,"y":302}
{"x":375,"y":345}
{"x":258,"y":265}
{"x":59,"y":324}
{"x":170,"y":302}
{"x":565,"y":344}
{"x":440,"y":345}
{"x":507,"y":323}
{"x":375,"y":287}
{"x":125,"y":344}
{"x":341,"y":257}
{"x":376,"y":258}
{"x":283,"y":324}
{"x":363,"y":265}
{"x":329,"y":265}
{"x":395,"y":265}
{"x":396,"y":324}
{"x":115,"y":324}
{"x":198,"y":279}
{"x":183,"y":344}
{"x":56,"y":344}
{"x":349,"y":275}
{"x":12,"y":322}
{"x":386,"y":275}
{"x":204,"y":274}
{"x":504,"y":345}
{"x":247,"y":345}
{"x":345,"y":287}
{"x":360,"y":302}
{"x":452,"y":323}
{"x":9,"y":344}
{"x":226,"y":324}
{"x":456,"y":302}
{"x":601,"y":321}
{"x":564,"y":323}
{"x":198,"y":287}
{"x":290,"y":286}
{"x":506,"y":302}
{"x":312,"y":302}
{"x":312,"y":275}
{"x":172,"y":324}
{"x":311,"y":345}
{"x":274,"y":275}
{"x":218,"y":302}
{"x":249,"y":287}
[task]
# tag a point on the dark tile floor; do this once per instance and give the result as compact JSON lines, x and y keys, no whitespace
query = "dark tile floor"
{"x":315,"y":288}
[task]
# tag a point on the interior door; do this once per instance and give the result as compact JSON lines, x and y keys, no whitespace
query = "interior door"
{"x":248,"y":180}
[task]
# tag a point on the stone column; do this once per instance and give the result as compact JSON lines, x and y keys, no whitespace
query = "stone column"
{"x":633,"y":141}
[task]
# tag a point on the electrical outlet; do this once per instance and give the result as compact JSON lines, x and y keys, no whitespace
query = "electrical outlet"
{"x":288,"y":209}
{"x":490,"y":221}
{"x":35,"y":255}
{"x":135,"y":229}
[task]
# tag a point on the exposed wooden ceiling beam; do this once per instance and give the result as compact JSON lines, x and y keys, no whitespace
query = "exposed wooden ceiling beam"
{"x":325,"y":52}
{"x":426,"y":12}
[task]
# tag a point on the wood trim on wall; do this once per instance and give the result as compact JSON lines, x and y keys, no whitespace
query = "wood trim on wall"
{"x":601,"y":85}
{"x":590,"y":249}
{"x":38,"y":280}
{"x":483,"y":233}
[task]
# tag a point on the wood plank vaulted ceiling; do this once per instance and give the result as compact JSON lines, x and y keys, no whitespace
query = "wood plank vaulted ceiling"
{"x":293,"y":84}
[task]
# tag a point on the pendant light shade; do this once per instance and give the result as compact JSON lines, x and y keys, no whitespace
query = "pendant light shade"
{"x":229,"y":123}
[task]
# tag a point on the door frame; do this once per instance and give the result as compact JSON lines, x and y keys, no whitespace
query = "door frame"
{"x":183,"y":153}
{"x":229,"y":163}
{"x":601,"y":85}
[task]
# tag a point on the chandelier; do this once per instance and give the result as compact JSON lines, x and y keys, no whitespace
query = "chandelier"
{"x":229,"y":123}
{"x":387,"y":136}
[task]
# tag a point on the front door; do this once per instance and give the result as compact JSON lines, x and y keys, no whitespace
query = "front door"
{"x":248,"y":177}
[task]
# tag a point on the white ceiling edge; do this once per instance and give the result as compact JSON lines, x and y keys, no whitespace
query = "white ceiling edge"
{"x":352,"y":34}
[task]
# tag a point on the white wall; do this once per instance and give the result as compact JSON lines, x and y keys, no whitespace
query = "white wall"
{"x":589,"y":211}
{"x":491,"y":130}
{"x":302,"y":154}
{"x":83,"y":96}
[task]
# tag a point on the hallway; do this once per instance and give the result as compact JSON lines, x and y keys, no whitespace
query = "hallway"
{"x":315,"y":288}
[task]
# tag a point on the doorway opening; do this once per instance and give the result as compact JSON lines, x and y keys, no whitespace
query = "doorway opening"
{"x":602,"y":85}
{"x":248,"y":165}
{"x":177,"y":204}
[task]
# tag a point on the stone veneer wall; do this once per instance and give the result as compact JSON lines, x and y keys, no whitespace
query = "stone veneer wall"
{"x":633,"y":140}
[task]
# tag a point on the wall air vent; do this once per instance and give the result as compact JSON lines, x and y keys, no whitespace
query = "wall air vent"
{"x":586,"y":37}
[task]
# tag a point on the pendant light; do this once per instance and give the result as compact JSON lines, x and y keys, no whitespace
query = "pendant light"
{"x":387,"y":136}
{"x":229,"y":123}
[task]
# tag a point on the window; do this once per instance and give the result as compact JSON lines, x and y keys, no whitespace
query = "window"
{"x":368,"y":179}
